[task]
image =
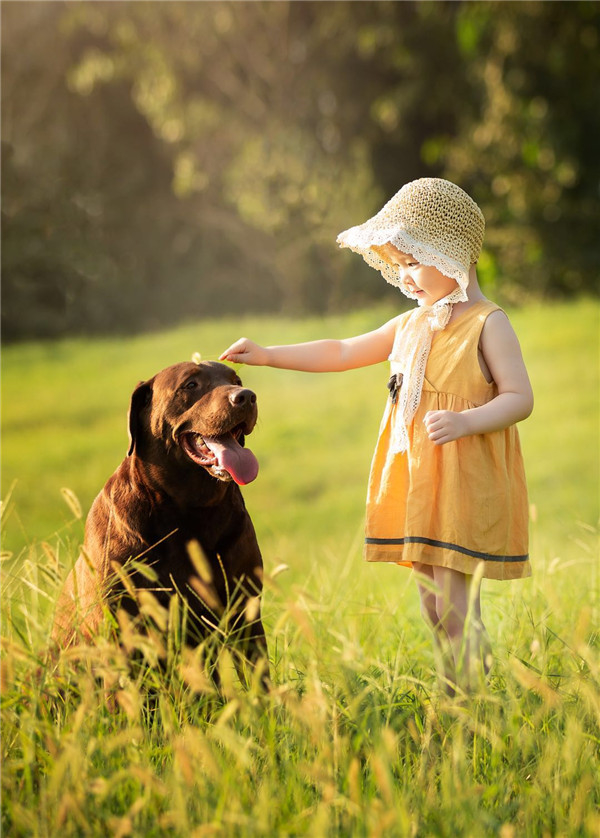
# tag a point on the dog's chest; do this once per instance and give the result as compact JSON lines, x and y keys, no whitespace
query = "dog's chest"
{"x":177,"y":538}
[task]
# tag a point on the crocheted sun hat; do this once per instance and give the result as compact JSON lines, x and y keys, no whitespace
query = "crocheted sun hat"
{"x":432,"y":219}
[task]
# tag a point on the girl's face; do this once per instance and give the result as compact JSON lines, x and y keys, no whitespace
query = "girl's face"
{"x":427,"y":283}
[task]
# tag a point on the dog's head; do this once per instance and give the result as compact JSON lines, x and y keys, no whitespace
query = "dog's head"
{"x":201,"y":414}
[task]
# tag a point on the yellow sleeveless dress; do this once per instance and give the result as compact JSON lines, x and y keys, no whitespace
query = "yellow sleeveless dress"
{"x":458,"y":504}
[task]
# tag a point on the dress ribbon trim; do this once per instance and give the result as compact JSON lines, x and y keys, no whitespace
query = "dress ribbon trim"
{"x":431,"y":542}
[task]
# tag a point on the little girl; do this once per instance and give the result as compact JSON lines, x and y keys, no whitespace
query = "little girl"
{"x":447,"y":493}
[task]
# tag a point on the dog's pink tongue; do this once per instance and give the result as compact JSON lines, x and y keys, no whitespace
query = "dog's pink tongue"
{"x":240,"y":462}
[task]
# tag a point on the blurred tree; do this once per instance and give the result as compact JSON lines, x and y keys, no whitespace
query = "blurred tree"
{"x":77,"y":202}
{"x":532,"y":151}
{"x":170,"y":159}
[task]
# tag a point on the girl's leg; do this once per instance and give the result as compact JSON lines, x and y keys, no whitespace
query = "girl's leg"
{"x":455,"y":593}
{"x":442,"y":645}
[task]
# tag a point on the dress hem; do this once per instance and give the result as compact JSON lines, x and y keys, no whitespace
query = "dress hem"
{"x":421,"y":551}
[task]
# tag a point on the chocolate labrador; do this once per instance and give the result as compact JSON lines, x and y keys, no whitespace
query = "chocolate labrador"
{"x":171,"y":521}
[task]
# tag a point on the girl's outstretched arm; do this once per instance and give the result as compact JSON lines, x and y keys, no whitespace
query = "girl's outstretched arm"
{"x":317,"y":355}
{"x":514,"y":402}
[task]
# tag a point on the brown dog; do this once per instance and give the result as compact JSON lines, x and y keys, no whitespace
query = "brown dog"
{"x":171,"y":521}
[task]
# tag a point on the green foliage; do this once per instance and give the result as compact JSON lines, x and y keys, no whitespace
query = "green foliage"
{"x":525,"y":154}
{"x":163,"y":160}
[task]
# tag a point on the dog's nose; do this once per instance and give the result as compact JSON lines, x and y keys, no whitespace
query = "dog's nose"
{"x":239,"y":398}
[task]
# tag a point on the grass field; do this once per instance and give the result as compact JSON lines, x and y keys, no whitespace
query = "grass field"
{"x":357,"y":738}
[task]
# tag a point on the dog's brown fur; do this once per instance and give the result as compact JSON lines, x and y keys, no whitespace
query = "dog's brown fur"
{"x":159,"y":501}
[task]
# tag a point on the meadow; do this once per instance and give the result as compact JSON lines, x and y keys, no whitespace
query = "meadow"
{"x":357,"y":738}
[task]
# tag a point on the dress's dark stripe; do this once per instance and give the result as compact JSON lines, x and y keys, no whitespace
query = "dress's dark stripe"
{"x":415,"y":539}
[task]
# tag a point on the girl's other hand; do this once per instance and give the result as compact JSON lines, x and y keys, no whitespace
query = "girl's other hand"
{"x":245,"y":351}
{"x":444,"y":426}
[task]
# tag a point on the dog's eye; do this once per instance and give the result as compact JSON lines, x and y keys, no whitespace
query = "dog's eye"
{"x":190,"y":385}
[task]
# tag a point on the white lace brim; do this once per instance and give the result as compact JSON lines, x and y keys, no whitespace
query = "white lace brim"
{"x":361,"y":239}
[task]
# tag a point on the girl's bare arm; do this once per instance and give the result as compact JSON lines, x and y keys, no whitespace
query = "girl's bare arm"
{"x":514,"y":402}
{"x":317,"y":355}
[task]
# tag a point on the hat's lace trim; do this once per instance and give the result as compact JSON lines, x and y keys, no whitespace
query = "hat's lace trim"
{"x":362,"y":241}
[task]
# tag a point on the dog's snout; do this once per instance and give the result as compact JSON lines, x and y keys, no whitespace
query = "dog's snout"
{"x":241,"y":397}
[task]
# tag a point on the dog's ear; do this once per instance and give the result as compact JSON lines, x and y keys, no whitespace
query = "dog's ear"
{"x":140,"y":397}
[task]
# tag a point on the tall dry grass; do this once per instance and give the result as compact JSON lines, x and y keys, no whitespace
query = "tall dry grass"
{"x":357,"y":738}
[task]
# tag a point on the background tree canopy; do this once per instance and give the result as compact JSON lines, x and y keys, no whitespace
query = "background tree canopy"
{"x":166,"y":160}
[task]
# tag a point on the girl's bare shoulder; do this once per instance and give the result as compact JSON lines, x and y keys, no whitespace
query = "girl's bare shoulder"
{"x":393,"y":324}
{"x":497,"y":326}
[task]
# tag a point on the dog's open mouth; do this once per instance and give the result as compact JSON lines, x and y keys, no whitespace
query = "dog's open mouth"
{"x":222,"y":455}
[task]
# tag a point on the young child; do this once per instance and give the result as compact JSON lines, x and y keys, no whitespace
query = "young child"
{"x":447,"y":493}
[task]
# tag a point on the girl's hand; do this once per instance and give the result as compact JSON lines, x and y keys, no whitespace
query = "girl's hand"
{"x":245,"y":351}
{"x":444,"y":426}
